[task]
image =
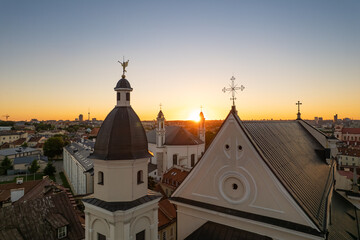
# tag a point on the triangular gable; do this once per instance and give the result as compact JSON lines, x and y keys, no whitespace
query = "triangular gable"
{"x":233,"y":175}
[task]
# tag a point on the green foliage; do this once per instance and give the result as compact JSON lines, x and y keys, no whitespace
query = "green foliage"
{"x":34,"y":166}
{"x":151,"y":183}
{"x":54,"y":146}
{"x":6,"y":164}
{"x":24,"y":145}
{"x":49,"y":170}
{"x":7,"y":123}
{"x":43,"y":126}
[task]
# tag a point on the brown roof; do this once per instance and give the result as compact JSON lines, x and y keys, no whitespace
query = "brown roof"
{"x":31,"y":218}
{"x":94,"y":131}
{"x":351,"y":130}
{"x":6,"y":188}
{"x":5,"y":145}
{"x":349,"y":151}
{"x":35,"y":139}
{"x":18,"y":141}
{"x":166,"y":213}
{"x":174,"y":177}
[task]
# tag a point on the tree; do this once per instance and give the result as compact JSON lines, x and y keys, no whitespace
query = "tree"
{"x":6,"y":164}
{"x":151,"y":183}
{"x":34,"y":166}
{"x":49,"y":169}
{"x":25,"y":145}
{"x":54,"y":147}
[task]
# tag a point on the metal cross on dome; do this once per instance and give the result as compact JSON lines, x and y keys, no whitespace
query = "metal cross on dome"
{"x":233,"y":89}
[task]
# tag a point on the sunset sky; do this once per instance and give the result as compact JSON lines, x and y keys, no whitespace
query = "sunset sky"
{"x":59,"y":58}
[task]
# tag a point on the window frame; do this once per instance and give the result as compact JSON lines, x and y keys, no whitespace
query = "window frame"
{"x":62,"y":232}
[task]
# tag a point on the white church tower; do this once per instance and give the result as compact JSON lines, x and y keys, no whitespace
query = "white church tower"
{"x":121,"y":207}
{"x":160,"y":129}
{"x":202,"y":129}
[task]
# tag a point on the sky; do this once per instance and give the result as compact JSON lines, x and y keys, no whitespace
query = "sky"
{"x":59,"y":58}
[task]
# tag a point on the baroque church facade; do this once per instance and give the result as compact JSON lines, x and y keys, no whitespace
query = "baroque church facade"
{"x":175,"y":146}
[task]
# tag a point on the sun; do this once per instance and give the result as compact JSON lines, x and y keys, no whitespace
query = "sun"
{"x":194,"y":116}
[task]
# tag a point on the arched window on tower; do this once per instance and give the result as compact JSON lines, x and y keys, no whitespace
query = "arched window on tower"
{"x":100,"y":178}
{"x":140,"y":178}
{"x":175,"y":159}
{"x":127,"y":96}
{"x":118,"y":96}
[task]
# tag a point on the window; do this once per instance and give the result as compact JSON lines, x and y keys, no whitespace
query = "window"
{"x":171,"y":232}
{"x":118,"y":96}
{"x":192,"y":160}
{"x":174,"y":159}
{"x":62,"y":232}
{"x":140,"y":177}
{"x":164,"y":235}
{"x":127,"y":96}
{"x":100,"y":178}
{"x":140,"y":235}
{"x":100,"y":236}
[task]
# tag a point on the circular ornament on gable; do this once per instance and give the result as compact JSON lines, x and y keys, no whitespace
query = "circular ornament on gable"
{"x":234,"y":187}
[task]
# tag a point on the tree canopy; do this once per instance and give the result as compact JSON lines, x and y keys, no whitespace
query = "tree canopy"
{"x":6,"y":164}
{"x":34,"y":166}
{"x":50,"y":170}
{"x":54,"y":146}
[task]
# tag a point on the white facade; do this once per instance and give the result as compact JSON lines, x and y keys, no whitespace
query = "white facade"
{"x":237,"y":178}
{"x":80,"y":179}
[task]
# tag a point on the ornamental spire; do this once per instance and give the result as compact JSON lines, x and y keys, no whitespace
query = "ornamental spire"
{"x":298,"y":114}
{"x":233,"y":87}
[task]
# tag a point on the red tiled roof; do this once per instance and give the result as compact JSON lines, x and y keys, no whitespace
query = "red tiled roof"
{"x":166,"y":213}
{"x":351,"y":130}
{"x":174,"y":177}
{"x":349,"y":151}
{"x":18,"y":141}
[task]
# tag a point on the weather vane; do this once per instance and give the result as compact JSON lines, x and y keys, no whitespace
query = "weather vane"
{"x":124,"y":65}
{"x":233,"y":89}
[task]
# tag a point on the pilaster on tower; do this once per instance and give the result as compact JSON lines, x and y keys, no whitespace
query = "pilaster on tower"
{"x":202,"y":129}
{"x":160,"y":129}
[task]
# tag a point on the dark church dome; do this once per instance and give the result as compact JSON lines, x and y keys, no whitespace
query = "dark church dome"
{"x":123,"y":83}
{"x":160,"y":114}
{"x":121,"y":136}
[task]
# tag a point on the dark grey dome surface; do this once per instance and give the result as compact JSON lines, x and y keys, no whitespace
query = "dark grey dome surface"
{"x":121,"y":136}
{"x":123,"y":83}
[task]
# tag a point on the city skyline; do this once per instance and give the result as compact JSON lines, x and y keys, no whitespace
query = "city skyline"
{"x":59,"y":60}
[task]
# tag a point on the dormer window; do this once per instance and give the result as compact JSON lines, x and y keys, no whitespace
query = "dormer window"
{"x":140,"y":177}
{"x":100,"y":178}
{"x":62,"y":232}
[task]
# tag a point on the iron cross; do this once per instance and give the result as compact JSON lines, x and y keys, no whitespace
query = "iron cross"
{"x":298,"y":103}
{"x":233,"y":89}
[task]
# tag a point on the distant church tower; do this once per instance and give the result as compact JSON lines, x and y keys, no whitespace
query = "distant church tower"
{"x":121,"y":207}
{"x":202,"y":127}
{"x":160,"y":129}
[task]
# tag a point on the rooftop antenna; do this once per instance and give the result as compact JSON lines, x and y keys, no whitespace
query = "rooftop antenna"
{"x":6,"y":116}
{"x":233,"y":89}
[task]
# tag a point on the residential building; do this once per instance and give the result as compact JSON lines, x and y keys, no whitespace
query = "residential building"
{"x":10,"y":136}
{"x":172,"y":179}
{"x":21,"y":164}
{"x":351,"y":136}
{"x":348,"y":156}
{"x":78,"y":168}
{"x":50,"y":217}
{"x":167,"y":220}
{"x":18,"y":152}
